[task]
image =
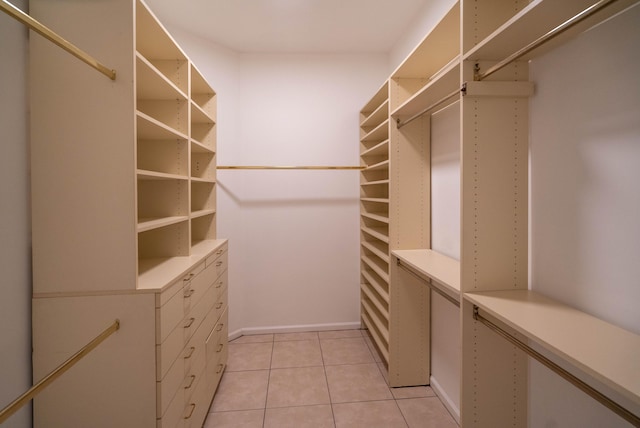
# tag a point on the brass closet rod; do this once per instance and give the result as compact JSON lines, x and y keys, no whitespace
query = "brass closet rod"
{"x":50,"y":35}
{"x":545,"y":38}
{"x":44,"y":382}
{"x":578,"y":383}
{"x":323,"y":167}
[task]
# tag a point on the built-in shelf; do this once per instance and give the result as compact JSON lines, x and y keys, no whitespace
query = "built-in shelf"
{"x":145,"y":224}
{"x":377,"y":117}
{"x":533,"y":21}
{"x":431,"y":265}
{"x":378,"y":233}
{"x":381,"y":149}
{"x":383,"y":218}
{"x":379,"y":133}
{"x":602,"y":351}
{"x":378,"y":166}
{"x":376,"y":183}
{"x":378,"y":200}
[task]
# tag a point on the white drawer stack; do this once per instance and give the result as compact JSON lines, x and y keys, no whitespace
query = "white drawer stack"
{"x":191,"y":342}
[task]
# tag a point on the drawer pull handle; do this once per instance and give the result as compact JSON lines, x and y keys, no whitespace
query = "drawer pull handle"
{"x":193,"y":378}
{"x":193,"y":407}
{"x":191,"y":350}
{"x":219,"y":252}
{"x":220,"y":327}
{"x":219,"y":263}
{"x":220,"y":347}
{"x":219,"y":305}
{"x":220,"y":367}
{"x":189,"y":293}
{"x":188,"y":277}
{"x":219,"y":284}
{"x":190,"y":322}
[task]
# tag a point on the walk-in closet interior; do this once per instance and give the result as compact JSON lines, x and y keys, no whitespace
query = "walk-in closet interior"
{"x":453,"y":182}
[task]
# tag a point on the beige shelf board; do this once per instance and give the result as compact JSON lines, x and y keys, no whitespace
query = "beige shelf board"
{"x":436,"y":49}
{"x":603,"y":351}
{"x":377,"y":116}
{"x":440,"y":85}
{"x":378,"y":166}
{"x":379,"y":249}
{"x":154,"y":175}
{"x":374,"y":298}
{"x":383,"y":218}
{"x":198,"y":115}
{"x":535,"y":20}
{"x":375,"y":285}
{"x":198,"y":147}
{"x":382,"y":347}
{"x":381,"y":95}
{"x":203,"y":180}
{"x":149,"y":128}
{"x":153,"y":129}
{"x":444,"y":271}
{"x":378,"y":200}
{"x":376,"y":233}
{"x":383,"y":273}
{"x":158,"y":273}
{"x":151,"y":84}
{"x":375,"y":183}
{"x":145,"y":224}
{"x":202,"y":213}
{"x":380,"y":149}
{"x":379,"y":324}
{"x":379,"y":133}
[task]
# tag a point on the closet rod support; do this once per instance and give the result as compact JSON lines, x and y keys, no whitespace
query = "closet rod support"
{"x":447,"y":97}
{"x":50,"y":35}
{"x":595,"y":394}
{"x":544,"y":38}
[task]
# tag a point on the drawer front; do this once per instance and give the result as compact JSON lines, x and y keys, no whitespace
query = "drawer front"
{"x":220,"y":284}
{"x":172,"y":308}
{"x":217,"y":351}
{"x":195,"y":317}
{"x":197,"y":406}
{"x":220,"y":305}
{"x":169,"y":385}
{"x":197,"y":287}
{"x":219,"y":259}
{"x":174,"y":416}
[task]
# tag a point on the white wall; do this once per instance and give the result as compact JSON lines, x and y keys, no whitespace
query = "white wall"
{"x":445,"y":238}
{"x":294,"y":241}
{"x":585,"y":199}
{"x":15,"y":256}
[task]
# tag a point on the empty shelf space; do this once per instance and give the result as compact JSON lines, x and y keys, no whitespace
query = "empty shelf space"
{"x":378,"y":166}
{"x":377,"y":200}
{"x":376,"y":183}
{"x":376,"y":101}
{"x":197,"y":147}
{"x":378,"y":326}
{"x":152,"y":39}
{"x":379,"y":133}
{"x":374,"y":298}
{"x":198,"y":115}
{"x":602,"y":351}
{"x":383,"y":217}
{"x":151,"y":83}
{"x":149,"y":128}
{"x":376,"y":117}
{"x":378,"y":266}
{"x":442,"y":84}
{"x":380,"y":149}
{"x":378,"y":233}
{"x":378,"y":248}
{"x":201,"y":213}
{"x":431,"y":265}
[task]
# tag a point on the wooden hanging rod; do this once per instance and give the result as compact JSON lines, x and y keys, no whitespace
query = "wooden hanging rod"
{"x":545,"y":38}
{"x":597,"y":395}
{"x":50,"y":35}
{"x":38,"y":387}
{"x":292,"y":167}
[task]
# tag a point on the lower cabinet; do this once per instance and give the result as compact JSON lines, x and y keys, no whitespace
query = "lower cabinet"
{"x":160,"y":369}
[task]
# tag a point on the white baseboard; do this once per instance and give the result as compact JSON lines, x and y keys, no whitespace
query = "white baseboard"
{"x":446,"y":400}
{"x":248,"y":331}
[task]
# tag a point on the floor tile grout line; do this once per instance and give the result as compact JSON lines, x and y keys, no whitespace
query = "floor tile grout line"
{"x":264,"y":411}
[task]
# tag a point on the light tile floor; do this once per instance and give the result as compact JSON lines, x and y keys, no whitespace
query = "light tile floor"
{"x":319,"y":379}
